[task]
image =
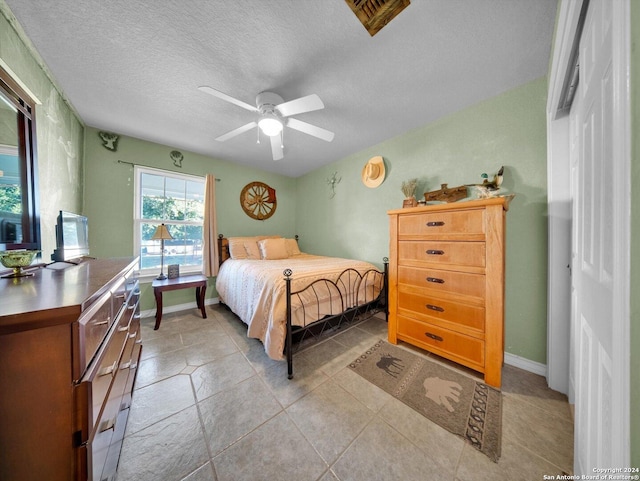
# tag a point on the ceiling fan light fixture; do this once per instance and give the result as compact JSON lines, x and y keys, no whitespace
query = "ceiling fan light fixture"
{"x":270,"y":125}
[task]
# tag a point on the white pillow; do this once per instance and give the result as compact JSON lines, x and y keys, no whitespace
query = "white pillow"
{"x":271,"y":249}
{"x":292,"y":247}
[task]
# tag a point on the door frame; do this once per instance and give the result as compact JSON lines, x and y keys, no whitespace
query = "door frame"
{"x":559,"y":207}
{"x":561,"y":355}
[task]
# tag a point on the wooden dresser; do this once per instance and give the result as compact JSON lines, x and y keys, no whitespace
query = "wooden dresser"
{"x":69,"y":347}
{"x":446,"y":281}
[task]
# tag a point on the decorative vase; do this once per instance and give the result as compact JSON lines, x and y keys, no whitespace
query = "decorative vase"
{"x":409,"y":202}
{"x":17,"y":260}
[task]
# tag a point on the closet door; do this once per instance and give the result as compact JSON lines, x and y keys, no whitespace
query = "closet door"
{"x":600,"y":258}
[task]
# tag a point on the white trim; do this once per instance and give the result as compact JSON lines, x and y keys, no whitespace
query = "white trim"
{"x":621,"y":331}
{"x":565,"y":35}
{"x":17,"y":80}
{"x":137,"y":214}
{"x":525,"y":364}
{"x":559,"y":206}
{"x":178,"y":307}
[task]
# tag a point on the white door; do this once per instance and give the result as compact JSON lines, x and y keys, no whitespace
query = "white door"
{"x":600,"y":258}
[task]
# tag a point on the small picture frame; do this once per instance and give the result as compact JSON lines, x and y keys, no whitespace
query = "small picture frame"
{"x":173,"y":271}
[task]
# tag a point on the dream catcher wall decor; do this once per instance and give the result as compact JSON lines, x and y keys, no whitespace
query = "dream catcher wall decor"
{"x":258,"y":200}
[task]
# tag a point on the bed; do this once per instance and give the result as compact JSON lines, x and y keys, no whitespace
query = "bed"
{"x":280,"y":292}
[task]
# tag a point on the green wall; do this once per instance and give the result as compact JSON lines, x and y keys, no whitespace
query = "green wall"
{"x":59,"y":132}
{"x":635,"y":234}
{"x":508,"y":130}
{"x":109,"y":190}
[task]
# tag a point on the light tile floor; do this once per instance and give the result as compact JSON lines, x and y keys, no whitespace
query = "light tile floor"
{"x":209,"y":405}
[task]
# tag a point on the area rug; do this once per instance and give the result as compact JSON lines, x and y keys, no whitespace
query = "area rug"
{"x":460,"y":404}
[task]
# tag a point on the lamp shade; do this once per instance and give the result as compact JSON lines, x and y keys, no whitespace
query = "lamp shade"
{"x":270,"y":125}
{"x":161,"y":233}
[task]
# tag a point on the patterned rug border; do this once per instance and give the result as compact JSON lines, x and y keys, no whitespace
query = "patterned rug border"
{"x":478,"y":427}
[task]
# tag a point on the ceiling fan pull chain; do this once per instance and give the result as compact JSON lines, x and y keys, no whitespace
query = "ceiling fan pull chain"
{"x":257,"y":136}
{"x":282,"y":138}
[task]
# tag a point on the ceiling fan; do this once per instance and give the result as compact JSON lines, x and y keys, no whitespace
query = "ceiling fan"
{"x":273,"y":115}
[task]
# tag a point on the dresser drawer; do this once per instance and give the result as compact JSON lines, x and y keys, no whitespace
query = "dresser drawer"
{"x":450,"y":314}
{"x":470,"y":254}
{"x":452,"y":345}
{"x":133,"y":369}
{"x":89,"y":333}
{"x":440,"y":282}
{"x":96,"y":384}
{"x":439,"y":224}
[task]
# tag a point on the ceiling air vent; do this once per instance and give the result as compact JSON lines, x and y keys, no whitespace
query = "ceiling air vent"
{"x":375,"y":14}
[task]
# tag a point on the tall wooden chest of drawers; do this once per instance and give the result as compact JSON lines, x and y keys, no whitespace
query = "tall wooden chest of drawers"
{"x":69,"y":347}
{"x":446,"y":281}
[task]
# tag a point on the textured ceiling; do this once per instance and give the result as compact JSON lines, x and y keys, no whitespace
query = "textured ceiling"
{"x":133,"y":67}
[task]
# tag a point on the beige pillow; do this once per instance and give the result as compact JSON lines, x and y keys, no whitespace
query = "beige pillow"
{"x":273,"y":249}
{"x":247,"y":247}
{"x":292,"y":247}
{"x":252,"y":249}
{"x":236,"y":248}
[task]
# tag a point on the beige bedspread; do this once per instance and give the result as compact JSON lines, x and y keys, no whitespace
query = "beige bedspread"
{"x":255,"y":290}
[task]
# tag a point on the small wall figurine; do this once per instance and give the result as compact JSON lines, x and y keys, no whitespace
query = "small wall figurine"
{"x":177,"y":158}
{"x":332,"y":182}
{"x":109,"y":140}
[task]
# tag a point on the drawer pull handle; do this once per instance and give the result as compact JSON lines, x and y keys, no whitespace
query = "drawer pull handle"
{"x":435,"y":224}
{"x":123,"y":328}
{"x":101,"y":323}
{"x":109,"y":369}
{"x":433,"y":336}
{"x":435,"y":308}
{"x":434,"y":252}
{"x":435,"y":279}
{"x":126,"y":365}
{"x":108,"y":424}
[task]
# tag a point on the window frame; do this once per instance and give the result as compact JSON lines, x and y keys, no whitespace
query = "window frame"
{"x":27,"y":154}
{"x":138,"y":220}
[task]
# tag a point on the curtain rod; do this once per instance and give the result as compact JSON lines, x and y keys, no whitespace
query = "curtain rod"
{"x":150,"y":166}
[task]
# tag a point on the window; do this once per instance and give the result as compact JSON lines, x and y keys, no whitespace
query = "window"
{"x":176,"y":200}
{"x":19,"y":215}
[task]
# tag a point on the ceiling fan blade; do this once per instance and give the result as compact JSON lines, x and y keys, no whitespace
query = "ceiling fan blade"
{"x":298,"y":106}
{"x":310,"y":129}
{"x":238,"y":131}
{"x":228,"y":98}
{"x":276,"y":147}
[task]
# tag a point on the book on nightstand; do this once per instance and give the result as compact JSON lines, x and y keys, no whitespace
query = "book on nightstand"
{"x":173,"y":271}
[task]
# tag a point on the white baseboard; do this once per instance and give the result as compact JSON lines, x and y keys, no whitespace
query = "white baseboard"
{"x":178,"y":307}
{"x":525,"y":364}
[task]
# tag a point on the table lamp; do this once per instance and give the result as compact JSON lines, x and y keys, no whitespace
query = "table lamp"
{"x":161,"y":234}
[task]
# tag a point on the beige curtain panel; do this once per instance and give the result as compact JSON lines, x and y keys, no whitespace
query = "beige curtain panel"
{"x":210,"y":230}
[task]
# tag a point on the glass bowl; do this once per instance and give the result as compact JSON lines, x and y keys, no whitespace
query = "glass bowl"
{"x":17,"y":260}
